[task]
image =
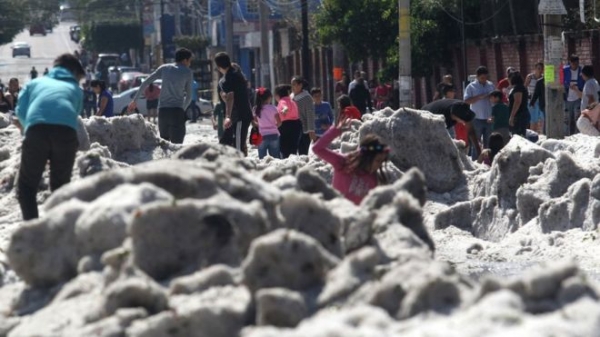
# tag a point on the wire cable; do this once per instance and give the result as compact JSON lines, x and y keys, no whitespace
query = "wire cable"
{"x":496,"y":13}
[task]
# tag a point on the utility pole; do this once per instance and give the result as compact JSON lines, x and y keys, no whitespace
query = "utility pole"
{"x":405,"y":78}
{"x":465,"y":79}
{"x":162,"y":29}
{"x":228,"y":28}
{"x":265,"y":62}
{"x":305,"y":43}
{"x":553,"y":52}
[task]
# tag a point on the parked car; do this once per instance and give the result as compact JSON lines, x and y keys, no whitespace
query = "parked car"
{"x":21,"y":49}
{"x":37,"y":28}
{"x":128,"y":79}
{"x":124,"y":69}
{"x":104,"y":62}
{"x":75,"y":33}
{"x":122,"y":100}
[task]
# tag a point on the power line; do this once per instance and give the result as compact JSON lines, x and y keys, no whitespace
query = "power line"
{"x":496,"y":13}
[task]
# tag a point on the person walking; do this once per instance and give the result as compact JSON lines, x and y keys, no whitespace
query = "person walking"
{"x":152,"y":93}
{"x":504,"y":84}
{"x":341,"y":86}
{"x":323,"y":112}
{"x":306,"y":112}
{"x":589,"y":94}
{"x":175,"y":95}
{"x":447,"y":80}
{"x":113,"y":81}
{"x":352,"y":84}
{"x":105,"y":100}
{"x":539,"y":99}
{"x":382,"y":96}
{"x":361,"y":97}
{"x":89,"y":103}
{"x":193,"y":111}
{"x":46,"y":71}
{"x":33,"y":73}
{"x":536,"y":116}
{"x":477,"y":96}
{"x":238,"y":112}
{"x":268,"y":120}
{"x":572,"y":81}
{"x":291,"y":126}
{"x":47,"y":112}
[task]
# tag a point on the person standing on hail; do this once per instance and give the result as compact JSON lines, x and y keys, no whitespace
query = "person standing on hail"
{"x":477,"y":96}
{"x":47,"y":113}
{"x":175,"y":95}
{"x":357,"y":173}
{"x":306,"y":112}
{"x":238,"y":112}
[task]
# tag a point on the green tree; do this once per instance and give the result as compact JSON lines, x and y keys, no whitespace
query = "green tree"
{"x":365,"y":28}
{"x":13,"y":18}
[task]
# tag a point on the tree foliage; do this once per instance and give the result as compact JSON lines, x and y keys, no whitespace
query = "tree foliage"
{"x":15,"y":15}
{"x":365,"y":28}
{"x":194,"y":43}
{"x":101,"y":36}
{"x":13,"y":18}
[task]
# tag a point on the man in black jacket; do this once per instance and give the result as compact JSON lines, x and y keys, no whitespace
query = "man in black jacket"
{"x":455,"y":111}
{"x":361,"y":97}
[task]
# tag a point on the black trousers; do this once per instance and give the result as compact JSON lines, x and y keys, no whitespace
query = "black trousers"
{"x":304,"y":144}
{"x":44,"y":142}
{"x":521,"y":124}
{"x":289,"y":139}
{"x":171,"y":124}
{"x":237,"y":136}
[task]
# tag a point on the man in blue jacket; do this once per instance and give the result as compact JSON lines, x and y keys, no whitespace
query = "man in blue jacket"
{"x":573,"y":82}
{"x":47,"y":113}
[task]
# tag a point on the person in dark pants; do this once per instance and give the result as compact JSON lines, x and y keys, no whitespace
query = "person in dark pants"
{"x":47,"y":113}
{"x":291,"y":126}
{"x":361,"y":97}
{"x":306,"y":112}
{"x":519,"y":113}
{"x":234,"y":94}
{"x":175,"y":95}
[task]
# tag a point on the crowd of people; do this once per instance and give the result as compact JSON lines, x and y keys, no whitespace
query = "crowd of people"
{"x":289,"y":119}
{"x":516,"y":105}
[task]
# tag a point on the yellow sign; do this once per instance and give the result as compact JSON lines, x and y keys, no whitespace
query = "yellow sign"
{"x":549,"y":77}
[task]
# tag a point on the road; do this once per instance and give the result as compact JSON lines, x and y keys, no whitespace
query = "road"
{"x":44,"y":49}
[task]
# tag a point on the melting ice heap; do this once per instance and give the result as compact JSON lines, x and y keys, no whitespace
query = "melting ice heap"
{"x":156,"y":239}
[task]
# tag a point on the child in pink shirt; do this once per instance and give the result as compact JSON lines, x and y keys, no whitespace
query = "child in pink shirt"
{"x":268,"y":120}
{"x":291,"y":126}
{"x":355,"y":174}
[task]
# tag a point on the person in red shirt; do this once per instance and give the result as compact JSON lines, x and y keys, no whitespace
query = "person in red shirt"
{"x":382,"y":96}
{"x":504,"y":84}
{"x":347,"y":110}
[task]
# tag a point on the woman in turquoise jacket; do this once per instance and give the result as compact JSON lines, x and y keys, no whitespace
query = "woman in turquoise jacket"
{"x":47,"y":113}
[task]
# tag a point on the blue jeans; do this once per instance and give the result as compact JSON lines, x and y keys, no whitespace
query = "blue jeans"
{"x":572,"y":112}
{"x":269,"y":143}
{"x":482,"y":128}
